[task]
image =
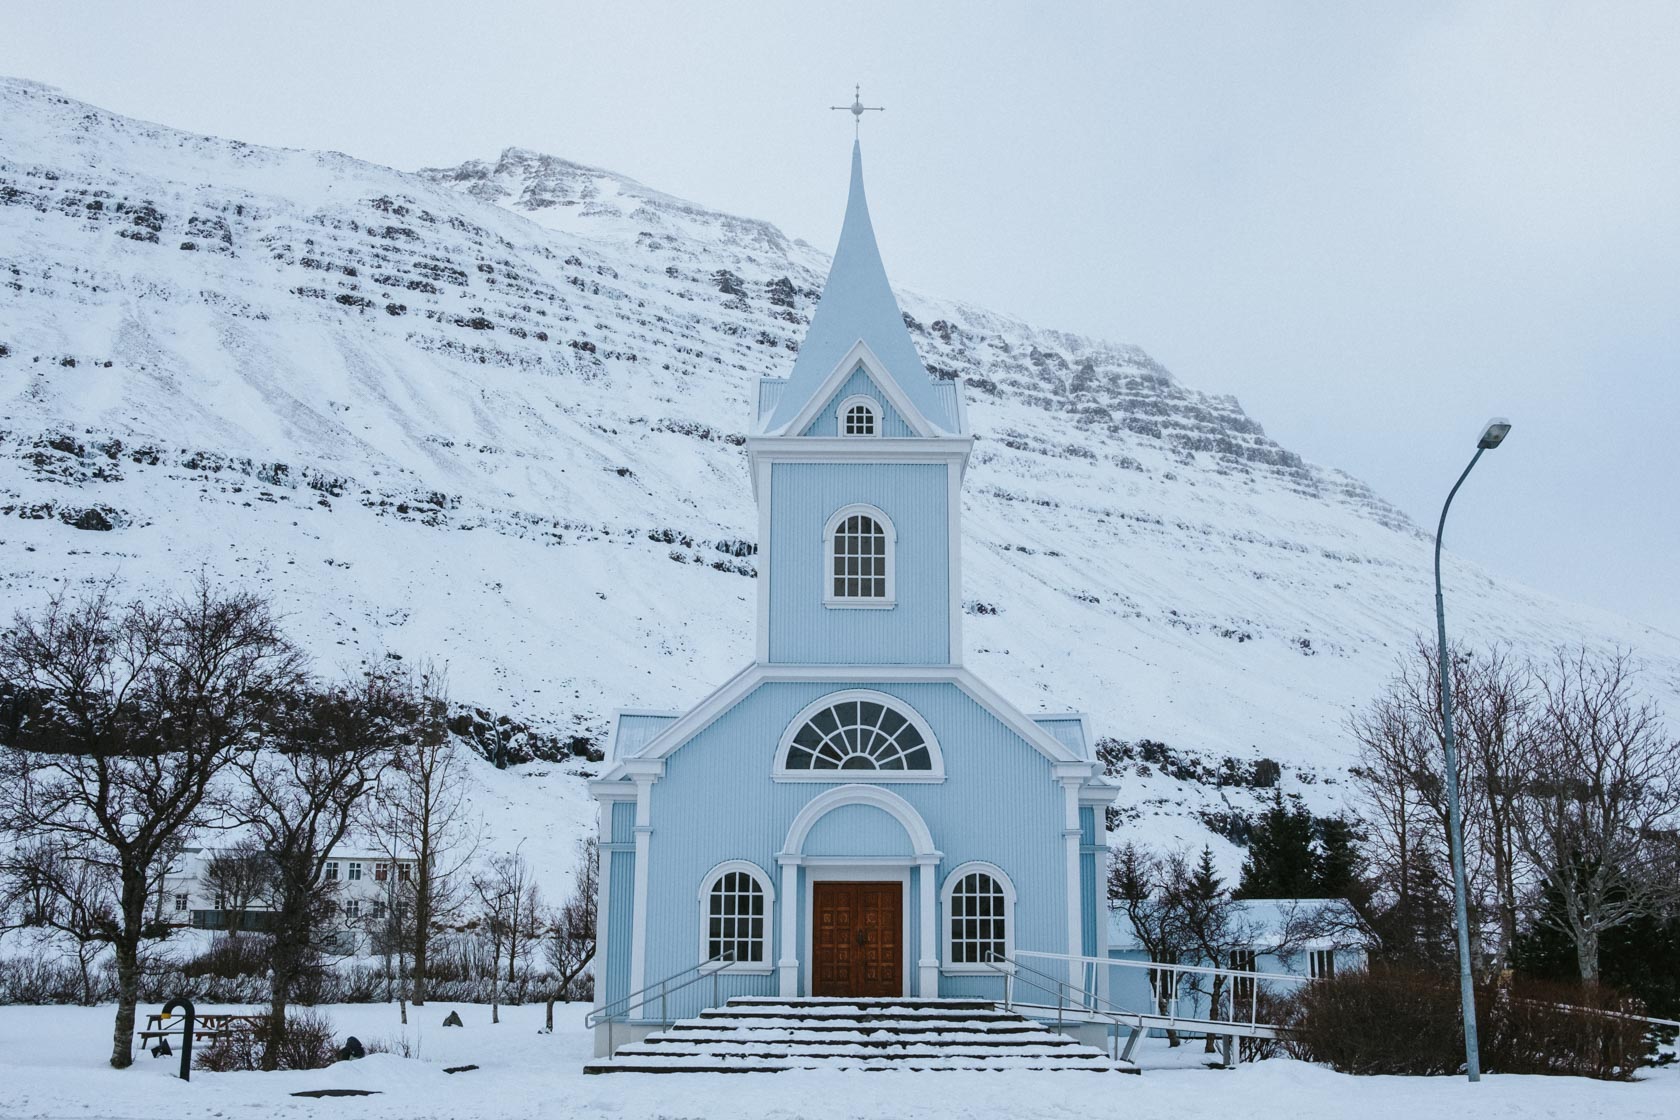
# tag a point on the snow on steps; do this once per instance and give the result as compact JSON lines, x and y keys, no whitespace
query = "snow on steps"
{"x":768,"y":1034}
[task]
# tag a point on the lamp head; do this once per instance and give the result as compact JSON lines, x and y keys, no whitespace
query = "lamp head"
{"x":1493,"y":433}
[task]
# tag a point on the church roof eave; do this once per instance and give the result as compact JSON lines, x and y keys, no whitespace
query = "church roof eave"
{"x":723,"y":698}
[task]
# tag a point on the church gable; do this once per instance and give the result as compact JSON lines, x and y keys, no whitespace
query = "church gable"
{"x":859,"y":389}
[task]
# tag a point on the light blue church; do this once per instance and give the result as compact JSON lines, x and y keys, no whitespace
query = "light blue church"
{"x":854,"y":813}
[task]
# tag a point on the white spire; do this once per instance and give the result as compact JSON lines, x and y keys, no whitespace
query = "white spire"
{"x":858,"y":305}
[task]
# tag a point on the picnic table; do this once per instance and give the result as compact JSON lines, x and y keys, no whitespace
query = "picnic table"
{"x":211,"y":1025}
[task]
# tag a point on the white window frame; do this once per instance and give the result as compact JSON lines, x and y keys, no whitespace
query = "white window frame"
{"x":765,"y":965}
{"x":852,"y":402}
{"x":381,"y":872}
{"x":936,"y":758}
{"x":1315,"y":961}
{"x":352,"y":909}
{"x":834,"y":602}
{"x":331,"y":872}
{"x":353,"y":873}
{"x":949,"y":963}
{"x":182,"y":903}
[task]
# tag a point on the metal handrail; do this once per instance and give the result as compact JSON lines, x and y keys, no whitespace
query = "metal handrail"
{"x":614,"y":1011}
{"x":1173,"y":971}
{"x":1007,"y":968}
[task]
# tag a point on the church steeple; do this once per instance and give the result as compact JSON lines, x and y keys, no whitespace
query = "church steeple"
{"x":858,"y":305}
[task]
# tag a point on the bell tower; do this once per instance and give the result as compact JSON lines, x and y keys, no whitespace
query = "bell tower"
{"x":857,"y":461}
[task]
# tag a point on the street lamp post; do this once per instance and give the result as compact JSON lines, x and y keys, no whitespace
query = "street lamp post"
{"x":1492,"y":435}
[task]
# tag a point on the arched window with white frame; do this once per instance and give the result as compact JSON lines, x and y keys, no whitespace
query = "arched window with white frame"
{"x":858,"y":416}
{"x":979,"y":908}
{"x":858,"y":558}
{"x":736,"y":899}
{"x":859,"y":734}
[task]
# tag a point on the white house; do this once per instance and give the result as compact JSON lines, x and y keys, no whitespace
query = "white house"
{"x":366,"y":885}
{"x":1301,"y":938}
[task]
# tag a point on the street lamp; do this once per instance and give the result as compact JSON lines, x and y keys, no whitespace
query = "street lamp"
{"x":1493,"y":434}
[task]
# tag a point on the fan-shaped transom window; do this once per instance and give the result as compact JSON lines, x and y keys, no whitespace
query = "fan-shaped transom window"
{"x":735,"y":919}
{"x":860,"y":559}
{"x":858,"y":735}
{"x":978,"y":901}
{"x":860,"y":420}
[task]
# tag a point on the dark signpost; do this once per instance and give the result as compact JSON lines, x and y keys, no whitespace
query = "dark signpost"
{"x":187,"y":1026}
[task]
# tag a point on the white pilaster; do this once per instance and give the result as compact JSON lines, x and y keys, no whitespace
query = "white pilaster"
{"x":953,"y":500}
{"x":761,"y":488}
{"x":603,"y":897}
{"x":639,"y":916}
{"x":787,"y":963}
{"x":1070,"y":844}
{"x":927,"y":967}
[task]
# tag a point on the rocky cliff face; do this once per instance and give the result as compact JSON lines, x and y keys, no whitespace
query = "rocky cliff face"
{"x":492,"y":416}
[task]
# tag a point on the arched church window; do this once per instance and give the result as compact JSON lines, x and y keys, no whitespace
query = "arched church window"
{"x":736,"y":918}
{"x":859,"y":734}
{"x":979,"y":901}
{"x":860,"y":559}
{"x":859,"y":417}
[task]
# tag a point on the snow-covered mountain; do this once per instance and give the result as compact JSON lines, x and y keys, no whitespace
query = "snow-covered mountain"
{"x":492,"y":416}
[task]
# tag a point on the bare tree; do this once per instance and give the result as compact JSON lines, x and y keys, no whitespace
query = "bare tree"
{"x":50,"y":887}
{"x":237,"y":877}
{"x":498,"y":898}
{"x":528,"y":918}
{"x":1211,"y":926}
{"x":1498,"y":727}
{"x":571,"y":942}
{"x":122,"y":717}
{"x":299,"y":798}
{"x":420,"y":814}
{"x":1603,"y":794}
{"x":1139,"y":885}
{"x":1402,"y":784}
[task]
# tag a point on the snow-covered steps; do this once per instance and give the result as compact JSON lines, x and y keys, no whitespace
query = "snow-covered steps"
{"x":767,"y":1034}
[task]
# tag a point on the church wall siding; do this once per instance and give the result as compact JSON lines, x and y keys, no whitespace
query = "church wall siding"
{"x":621,"y":890}
{"x":857,"y":830}
{"x":916,"y":631}
{"x":1088,"y":909}
{"x":859,"y":384}
{"x":623,"y":822}
{"x":718,"y":802}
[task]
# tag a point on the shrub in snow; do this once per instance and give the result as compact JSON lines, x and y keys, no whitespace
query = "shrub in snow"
{"x":1400,"y":1021}
{"x":308,"y":1044}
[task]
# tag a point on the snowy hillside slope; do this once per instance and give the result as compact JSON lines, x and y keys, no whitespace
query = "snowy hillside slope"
{"x":492,"y":415}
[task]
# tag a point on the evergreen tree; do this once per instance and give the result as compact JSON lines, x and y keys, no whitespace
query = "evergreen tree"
{"x":1280,"y":861}
{"x":1204,"y":886}
{"x":1336,"y":864}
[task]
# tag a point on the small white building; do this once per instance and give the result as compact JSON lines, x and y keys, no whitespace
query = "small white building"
{"x":1306,"y":938}
{"x":366,"y":886}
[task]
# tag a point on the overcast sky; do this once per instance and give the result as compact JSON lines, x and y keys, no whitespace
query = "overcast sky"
{"x":1377,"y":225}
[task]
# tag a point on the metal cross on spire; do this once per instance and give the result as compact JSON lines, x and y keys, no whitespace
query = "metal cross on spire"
{"x":857,"y":109}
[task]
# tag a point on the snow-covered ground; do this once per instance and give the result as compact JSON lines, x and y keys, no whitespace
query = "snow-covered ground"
{"x":52,"y":1064}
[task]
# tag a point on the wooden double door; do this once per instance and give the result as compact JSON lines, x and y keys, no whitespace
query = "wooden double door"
{"x":857,"y":939}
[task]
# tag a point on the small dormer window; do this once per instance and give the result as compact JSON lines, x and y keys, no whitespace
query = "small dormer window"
{"x":860,"y":416}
